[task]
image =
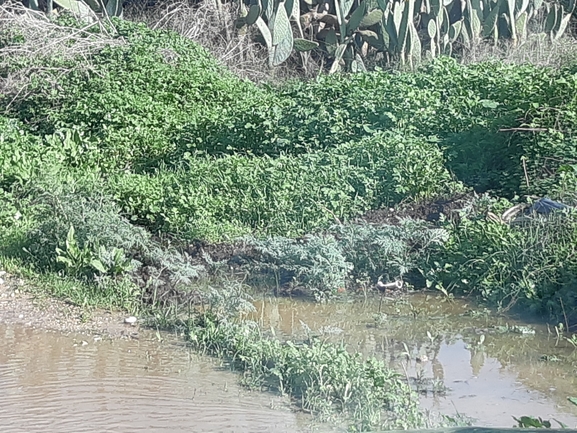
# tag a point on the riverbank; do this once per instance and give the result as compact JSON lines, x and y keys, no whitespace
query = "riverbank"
{"x":34,"y":308}
{"x":155,"y":180}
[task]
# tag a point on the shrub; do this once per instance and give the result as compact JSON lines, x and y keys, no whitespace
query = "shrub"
{"x":385,"y":250}
{"x":316,"y":263}
{"x":532,"y":264}
{"x":343,"y":255}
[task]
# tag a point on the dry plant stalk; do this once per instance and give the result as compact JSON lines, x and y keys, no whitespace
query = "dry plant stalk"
{"x":41,"y":40}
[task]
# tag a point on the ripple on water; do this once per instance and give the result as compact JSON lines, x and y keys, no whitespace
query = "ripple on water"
{"x":490,"y":380}
{"x":52,"y":383}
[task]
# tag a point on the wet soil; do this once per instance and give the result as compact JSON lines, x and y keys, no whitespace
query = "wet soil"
{"x":19,"y":305}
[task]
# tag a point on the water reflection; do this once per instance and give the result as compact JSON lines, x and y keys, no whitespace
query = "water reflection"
{"x":491,"y":374}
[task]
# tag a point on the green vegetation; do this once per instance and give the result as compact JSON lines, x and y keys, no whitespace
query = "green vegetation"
{"x":532,"y":263}
{"x":121,"y":146}
{"x":354,"y":30}
{"x":325,"y":379}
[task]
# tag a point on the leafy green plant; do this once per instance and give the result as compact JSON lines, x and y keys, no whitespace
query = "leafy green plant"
{"x":76,"y":260}
{"x":534,"y":422}
{"x":347,"y":31}
{"x":316,"y":263}
{"x":529,"y":263}
{"x":325,"y":264}
{"x":112,"y":262}
{"x":325,"y":379}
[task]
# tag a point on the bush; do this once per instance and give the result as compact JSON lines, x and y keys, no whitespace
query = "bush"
{"x":345,"y":255}
{"x":133,"y":99}
{"x":228,"y":197}
{"x":386,"y":251}
{"x":531,"y":264}
{"x":316,"y":264}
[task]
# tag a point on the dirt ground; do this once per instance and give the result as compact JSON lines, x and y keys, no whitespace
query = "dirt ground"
{"x":20,"y":305}
{"x":429,"y":211}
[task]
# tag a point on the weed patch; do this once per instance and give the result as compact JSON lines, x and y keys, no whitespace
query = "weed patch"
{"x":323,"y":378}
{"x":531,"y":264}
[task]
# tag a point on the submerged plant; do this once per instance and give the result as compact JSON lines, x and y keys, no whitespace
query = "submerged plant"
{"x":325,"y":379}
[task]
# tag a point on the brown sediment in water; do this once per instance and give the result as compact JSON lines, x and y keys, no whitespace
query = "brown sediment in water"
{"x":65,"y":368}
{"x":491,"y":369}
{"x":53,"y":382}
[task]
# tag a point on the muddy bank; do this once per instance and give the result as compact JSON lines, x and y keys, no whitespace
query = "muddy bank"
{"x":22,"y":305}
{"x":430,"y":211}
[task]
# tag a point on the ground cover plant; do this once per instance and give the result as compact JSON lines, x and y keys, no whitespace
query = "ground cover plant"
{"x":125,"y":145}
{"x":185,"y":148}
{"x":323,"y":378}
{"x":531,"y":263}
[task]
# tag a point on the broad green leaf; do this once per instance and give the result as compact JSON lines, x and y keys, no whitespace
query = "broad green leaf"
{"x":265,"y":32}
{"x":253,"y":13}
{"x":346,"y":6}
{"x":282,"y":37}
{"x":383,"y":4}
{"x":281,"y":29}
{"x":338,"y":56}
{"x":562,"y":25}
{"x":114,"y":8}
{"x":97,"y":264}
{"x":491,"y":21}
{"x":371,"y":38}
{"x":76,"y":7}
{"x":455,"y":30}
{"x":521,"y":25}
{"x":356,"y":18}
{"x":432,"y":28}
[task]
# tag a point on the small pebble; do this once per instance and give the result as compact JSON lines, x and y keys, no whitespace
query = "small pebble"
{"x":1,"y":281}
{"x":130,"y":320}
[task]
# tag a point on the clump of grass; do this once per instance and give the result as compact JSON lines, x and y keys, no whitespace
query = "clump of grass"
{"x":530,"y":264}
{"x":537,"y":49}
{"x":325,"y":379}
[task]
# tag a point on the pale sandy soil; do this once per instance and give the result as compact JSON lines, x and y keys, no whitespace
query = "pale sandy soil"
{"x":18,"y":305}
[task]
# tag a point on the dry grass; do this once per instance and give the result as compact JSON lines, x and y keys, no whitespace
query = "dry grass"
{"x":537,"y":50}
{"x":211,"y":24}
{"x":29,"y":42}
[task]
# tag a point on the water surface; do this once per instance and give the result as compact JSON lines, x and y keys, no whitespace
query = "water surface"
{"x":50,"y":382}
{"x":491,"y":369}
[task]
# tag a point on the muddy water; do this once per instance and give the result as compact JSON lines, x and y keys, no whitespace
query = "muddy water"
{"x":490,"y":371}
{"x":55,"y":383}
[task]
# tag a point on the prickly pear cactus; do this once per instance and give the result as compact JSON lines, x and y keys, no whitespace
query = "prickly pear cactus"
{"x":346,"y":31}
